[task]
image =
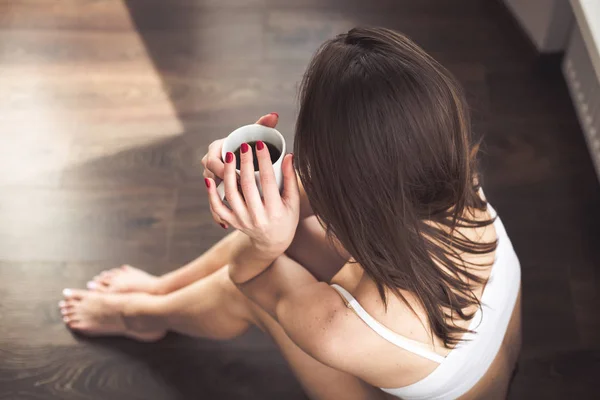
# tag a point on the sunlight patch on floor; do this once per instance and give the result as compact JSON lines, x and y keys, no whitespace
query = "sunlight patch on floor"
{"x":69,"y":95}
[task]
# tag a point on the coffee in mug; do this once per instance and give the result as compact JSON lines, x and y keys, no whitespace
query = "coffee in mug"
{"x":273,"y":152}
{"x":251,"y":134}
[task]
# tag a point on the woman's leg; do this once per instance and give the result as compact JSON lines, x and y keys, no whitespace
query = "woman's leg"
{"x":310,"y":247}
{"x":128,"y":279}
{"x":209,"y":308}
{"x":213,"y":308}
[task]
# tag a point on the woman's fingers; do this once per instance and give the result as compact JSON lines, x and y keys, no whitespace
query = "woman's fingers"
{"x":291,"y":194}
{"x":218,"y":209}
{"x":218,"y":219}
{"x":208,"y":174}
{"x":215,"y":169}
{"x":232,"y":194}
{"x":248,"y":183}
{"x":268,"y":182}
{"x":269,"y":120}
{"x":212,"y":161}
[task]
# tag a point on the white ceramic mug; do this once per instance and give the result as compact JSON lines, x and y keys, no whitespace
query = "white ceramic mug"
{"x":252,"y":133}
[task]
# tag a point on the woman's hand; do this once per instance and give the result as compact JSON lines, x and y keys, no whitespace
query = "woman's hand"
{"x":213,"y":165}
{"x":270,"y":224}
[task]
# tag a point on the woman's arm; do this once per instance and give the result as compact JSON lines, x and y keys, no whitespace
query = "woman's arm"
{"x":311,"y":313}
{"x":276,"y":283}
{"x":247,"y":261}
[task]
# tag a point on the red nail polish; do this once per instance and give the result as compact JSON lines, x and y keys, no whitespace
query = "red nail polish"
{"x":229,"y":157}
{"x":223,"y":226}
{"x":207,"y":182}
{"x":245,"y":147}
{"x":275,"y":114}
{"x":260,"y":145}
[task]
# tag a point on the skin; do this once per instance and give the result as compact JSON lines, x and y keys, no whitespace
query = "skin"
{"x":274,"y":272}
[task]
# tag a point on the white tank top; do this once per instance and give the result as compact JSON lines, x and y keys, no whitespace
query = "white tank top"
{"x":466,"y":364}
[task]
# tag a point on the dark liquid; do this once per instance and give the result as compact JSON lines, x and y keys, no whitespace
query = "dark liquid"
{"x":273,"y":152}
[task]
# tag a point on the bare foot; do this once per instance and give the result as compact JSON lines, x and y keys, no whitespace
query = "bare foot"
{"x":125,"y":279}
{"x":110,"y":314}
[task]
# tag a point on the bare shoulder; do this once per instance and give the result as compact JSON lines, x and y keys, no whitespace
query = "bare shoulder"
{"x":317,"y":320}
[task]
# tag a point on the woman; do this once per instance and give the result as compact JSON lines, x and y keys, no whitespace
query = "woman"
{"x":424,"y":303}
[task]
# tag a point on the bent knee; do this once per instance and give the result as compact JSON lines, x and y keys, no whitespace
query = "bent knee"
{"x":237,"y":304}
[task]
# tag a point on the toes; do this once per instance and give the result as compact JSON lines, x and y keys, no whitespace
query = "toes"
{"x":100,"y":283}
{"x":70,"y":320}
{"x":97,"y":286}
{"x":104,"y":288}
{"x":106,"y":275}
{"x":65,"y":304}
{"x":102,"y":279}
{"x":66,"y":308}
{"x":101,"y":288}
{"x":73,"y":294}
{"x":68,"y":303}
{"x":67,"y":312}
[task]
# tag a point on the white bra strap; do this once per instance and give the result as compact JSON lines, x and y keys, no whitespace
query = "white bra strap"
{"x":387,"y":334}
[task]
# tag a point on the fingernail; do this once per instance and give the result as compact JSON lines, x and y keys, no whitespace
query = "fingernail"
{"x":260,"y":145}
{"x":275,"y":114}
{"x":223,"y":226}
{"x":245,"y":147}
{"x":207,"y":182}
{"x":67,"y":292}
{"x":229,"y":157}
{"x":92,"y":285}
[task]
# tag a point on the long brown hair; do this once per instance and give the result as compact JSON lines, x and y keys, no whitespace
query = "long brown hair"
{"x":383,"y":148}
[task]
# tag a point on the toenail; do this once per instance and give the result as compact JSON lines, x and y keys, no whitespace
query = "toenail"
{"x":91,"y":285}
{"x":67,"y":292}
{"x":66,"y":319}
{"x":62,"y":303}
{"x":63,"y":311}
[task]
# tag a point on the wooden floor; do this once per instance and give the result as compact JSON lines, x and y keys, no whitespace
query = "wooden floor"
{"x":107,"y":106}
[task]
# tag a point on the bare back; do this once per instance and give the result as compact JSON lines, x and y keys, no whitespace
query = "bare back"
{"x":395,"y":367}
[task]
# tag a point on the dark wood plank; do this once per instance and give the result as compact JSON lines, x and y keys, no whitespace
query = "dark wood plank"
{"x":117,"y":225}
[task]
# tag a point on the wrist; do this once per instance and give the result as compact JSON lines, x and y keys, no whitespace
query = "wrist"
{"x":267,"y":252}
{"x":161,"y":286}
{"x":249,"y":261}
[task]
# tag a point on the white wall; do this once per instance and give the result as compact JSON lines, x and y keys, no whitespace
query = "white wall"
{"x":547,"y":22}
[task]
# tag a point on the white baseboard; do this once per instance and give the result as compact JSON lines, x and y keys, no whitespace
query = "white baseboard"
{"x":583,"y":82}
